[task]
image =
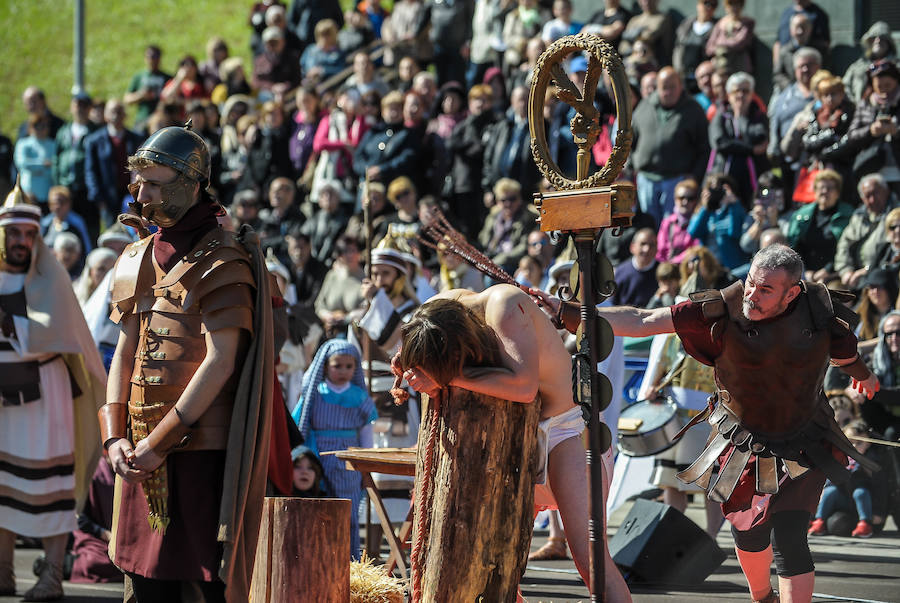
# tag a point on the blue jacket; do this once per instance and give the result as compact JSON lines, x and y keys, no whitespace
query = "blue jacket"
{"x":721,"y":231}
{"x":100,"y":167}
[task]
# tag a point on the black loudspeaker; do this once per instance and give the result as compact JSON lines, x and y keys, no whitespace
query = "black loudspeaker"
{"x":656,"y":543}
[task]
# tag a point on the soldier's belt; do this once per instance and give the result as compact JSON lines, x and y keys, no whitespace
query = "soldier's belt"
{"x":146,"y":415}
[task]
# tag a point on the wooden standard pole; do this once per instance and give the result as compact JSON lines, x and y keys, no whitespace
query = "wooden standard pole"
{"x":479,"y":520}
{"x":293,"y":529}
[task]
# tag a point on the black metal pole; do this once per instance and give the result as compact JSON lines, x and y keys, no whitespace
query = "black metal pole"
{"x":590,"y":389}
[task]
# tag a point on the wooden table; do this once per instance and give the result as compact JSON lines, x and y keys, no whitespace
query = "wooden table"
{"x":391,"y":461}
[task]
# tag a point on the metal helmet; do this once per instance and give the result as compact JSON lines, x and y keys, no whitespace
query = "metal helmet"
{"x":185,"y":152}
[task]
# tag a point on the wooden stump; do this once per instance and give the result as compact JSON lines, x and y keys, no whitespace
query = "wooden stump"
{"x":481,"y":510}
{"x":303,"y":554}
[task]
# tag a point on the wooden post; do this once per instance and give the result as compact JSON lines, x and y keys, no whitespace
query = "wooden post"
{"x":303,"y":553}
{"x":481,"y":507}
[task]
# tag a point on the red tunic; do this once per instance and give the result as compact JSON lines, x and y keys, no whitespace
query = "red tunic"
{"x":746,"y":507}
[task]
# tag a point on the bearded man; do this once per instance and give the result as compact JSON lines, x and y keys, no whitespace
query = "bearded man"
{"x":191,"y":378}
{"x":774,"y":435}
{"x":51,"y":383}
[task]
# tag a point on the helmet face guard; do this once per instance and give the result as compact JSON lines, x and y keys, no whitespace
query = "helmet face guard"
{"x":176,"y":197}
{"x":183,"y":151}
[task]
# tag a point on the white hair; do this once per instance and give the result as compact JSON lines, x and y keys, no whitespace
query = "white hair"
{"x":66,"y":240}
{"x":779,"y":257}
{"x":875,"y":178}
{"x":99,"y":255}
{"x":736,"y":80}
{"x":805,"y":53}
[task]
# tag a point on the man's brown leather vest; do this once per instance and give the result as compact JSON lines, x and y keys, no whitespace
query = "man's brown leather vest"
{"x":770,"y":404}
{"x":785,"y":357}
{"x":212,"y":287}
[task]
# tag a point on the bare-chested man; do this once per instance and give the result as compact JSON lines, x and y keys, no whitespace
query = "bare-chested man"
{"x":530,"y":361}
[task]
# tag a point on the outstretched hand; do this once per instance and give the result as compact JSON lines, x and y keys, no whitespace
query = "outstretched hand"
{"x":549,"y":304}
{"x":867,"y":387}
{"x":421,"y":381}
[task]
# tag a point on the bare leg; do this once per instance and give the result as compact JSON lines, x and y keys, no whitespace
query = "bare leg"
{"x":49,"y":584}
{"x":567,"y":469}
{"x":675,"y":498}
{"x":7,"y":575}
{"x":757,"y":568}
{"x":555,"y":547}
{"x":714,"y":517}
{"x":797,"y":589}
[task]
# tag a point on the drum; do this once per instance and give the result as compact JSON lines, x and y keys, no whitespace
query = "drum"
{"x":648,"y":427}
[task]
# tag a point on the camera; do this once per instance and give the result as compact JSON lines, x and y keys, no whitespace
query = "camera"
{"x":770,"y":197}
{"x":716,"y":194}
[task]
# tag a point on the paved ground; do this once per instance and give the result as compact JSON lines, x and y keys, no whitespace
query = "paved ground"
{"x":863,"y":571}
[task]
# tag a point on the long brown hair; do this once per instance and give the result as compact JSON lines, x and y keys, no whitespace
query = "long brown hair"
{"x":443,"y":336}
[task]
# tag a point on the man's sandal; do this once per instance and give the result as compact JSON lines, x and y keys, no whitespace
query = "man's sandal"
{"x":553,"y":550}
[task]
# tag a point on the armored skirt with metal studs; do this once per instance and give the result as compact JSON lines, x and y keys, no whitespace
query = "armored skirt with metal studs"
{"x":167,"y":524}
{"x":774,"y":438}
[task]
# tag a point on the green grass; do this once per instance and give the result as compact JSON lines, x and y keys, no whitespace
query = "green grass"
{"x":37,"y":43}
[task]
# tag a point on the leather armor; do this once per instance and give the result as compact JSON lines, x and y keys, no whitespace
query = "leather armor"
{"x":212,"y":287}
{"x":781,"y":359}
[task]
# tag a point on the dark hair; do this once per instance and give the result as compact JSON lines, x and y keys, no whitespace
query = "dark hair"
{"x":443,"y":336}
{"x":341,"y":245}
{"x":296,"y":232}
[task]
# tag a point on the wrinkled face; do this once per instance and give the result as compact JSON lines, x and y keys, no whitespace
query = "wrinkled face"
{"x":827,"y":193}
{"x":643,"y":248}
{"x":767,"y":293}
{"x":304,"y":474}
{"x":892,"y":335}
{"x":340,"y":368}
{"x":874,"y":196}
{"x":19,"y":243}
{"x":384,"y":277}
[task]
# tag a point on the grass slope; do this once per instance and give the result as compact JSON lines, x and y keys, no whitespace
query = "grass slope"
{"x":37,"y":43}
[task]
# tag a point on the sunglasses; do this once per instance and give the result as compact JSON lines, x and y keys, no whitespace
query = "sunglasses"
{"x":686,"y":197}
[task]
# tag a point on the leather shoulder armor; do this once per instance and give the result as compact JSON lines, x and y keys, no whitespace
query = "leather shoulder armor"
{"x":133,"y":274}
{"x":828,"y":309}
{"x":711,"y":302}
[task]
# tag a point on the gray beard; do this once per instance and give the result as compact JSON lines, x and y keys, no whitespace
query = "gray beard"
{"x":745,"y":308}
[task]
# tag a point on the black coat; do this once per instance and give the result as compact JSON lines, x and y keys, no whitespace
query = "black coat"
{"x":393,"y":149}
{"x":466,"y":147}
{"x":523,"y":170}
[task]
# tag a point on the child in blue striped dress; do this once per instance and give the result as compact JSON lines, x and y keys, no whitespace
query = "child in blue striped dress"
{"x":335,"y":412}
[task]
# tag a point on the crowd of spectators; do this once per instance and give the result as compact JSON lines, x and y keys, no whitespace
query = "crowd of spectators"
{"x":425,"y":105}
